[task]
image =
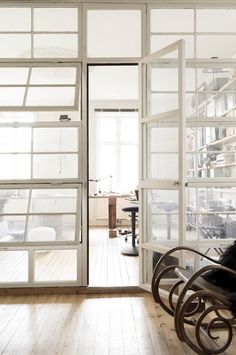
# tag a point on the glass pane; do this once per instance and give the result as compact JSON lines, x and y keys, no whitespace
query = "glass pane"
{"x":172,"y":20}
{"x":55,"y":139}
{"x":166,"y":79}
{"x":114,"y":33}
{"x":11,"y":96}
{"x":163,"y":137}
{"x":113,"y":82}
{"x":214,"y":79}
{"x":14,"y":76}
{"x":12,"y":228}
{"x":13,"y":201}
{"x":53,"y":201}
{"x":16,"y":166}
{"x":191,"y":218}
{"x":107,"y":128}
{"x":50,"y":96}
{"x":15,"y":19}
{"x":56,"y":19}
{"x":55,"y":166}
{"x":150,"y":260}
{"x":160,"y":41}
{"x":13,"y":266}
{"x":56,"y":46}
{"x":163,"y":166}
{"x":220,"y":46}
{"x":129,"y":128}
{"x":54,"y":76}
{"x":15,"y":140}
{"x":220,"y":199}
{"x":216,"y":20}
{"x":161,"y":215}
{"x":161,"y":140}
{"x":51,"y":228}
{"x":15,"y":46}
{"x":162,"y":102}
{"x":212,"y":165}
{"x":55,"y":265}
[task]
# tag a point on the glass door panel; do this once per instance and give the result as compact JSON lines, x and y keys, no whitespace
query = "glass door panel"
{"x":162,"y":164}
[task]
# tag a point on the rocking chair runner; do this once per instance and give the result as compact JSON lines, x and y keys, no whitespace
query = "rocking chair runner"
{"x":197,"y":304}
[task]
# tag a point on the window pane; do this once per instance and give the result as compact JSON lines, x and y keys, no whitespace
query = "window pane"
{"x":55,"y":139}
{"x":51,"y":228}
{"x":55,"y":166}
{"x":113,"y":82}
{"x":53,"y":76}
{"x":217,"y":20}
{"x":53,"y":201}
{"x":13,"y":76}
{"x":50,"y":96}
{"x":15,"y":140}
{"x":15,"y":46}
{"x":11,"y":96}
{"x":220,"y":46}
{"x":15,"y":166}
{"x":166,"y":79}
{"x":12,"y":228}
{"x":129,"y":128}
{"x":114,"y":33}
{"x":13,"y":201}
{"x":162,"y":102}
{"x":55,"y":265}
{"x":161,"y":215}
{"x":13,"y":266}
{"x":172,"y":20}
{"x":107,"y":129}
{"x":55,"y":46}
{"x":163,"y":138}
{"x":160,"y":41}
{"x":15,"y":19}
{"x":55,"y":19}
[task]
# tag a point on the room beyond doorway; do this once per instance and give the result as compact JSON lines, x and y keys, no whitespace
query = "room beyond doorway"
{"x":113,"y":172}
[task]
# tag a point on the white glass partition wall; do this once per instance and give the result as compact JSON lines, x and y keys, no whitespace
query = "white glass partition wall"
{"x":208,"y":189}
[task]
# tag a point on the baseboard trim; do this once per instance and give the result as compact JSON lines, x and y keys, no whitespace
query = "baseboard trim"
{"x":69,"y":290}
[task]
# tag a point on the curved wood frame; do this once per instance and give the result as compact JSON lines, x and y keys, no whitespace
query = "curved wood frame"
{"x":188,"y":310}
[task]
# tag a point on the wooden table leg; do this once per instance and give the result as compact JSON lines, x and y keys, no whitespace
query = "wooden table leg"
{"x":112,"y":216}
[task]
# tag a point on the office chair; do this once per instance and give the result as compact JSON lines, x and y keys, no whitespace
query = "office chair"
{"x":133,"y":210}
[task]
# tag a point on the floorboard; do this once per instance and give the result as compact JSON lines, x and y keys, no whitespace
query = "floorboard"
{"x":118,"y":324}
{"x":108,"y":267}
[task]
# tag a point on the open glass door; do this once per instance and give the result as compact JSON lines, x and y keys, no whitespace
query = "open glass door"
{"x":162,"y":149}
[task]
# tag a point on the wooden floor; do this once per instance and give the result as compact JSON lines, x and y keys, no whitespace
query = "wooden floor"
{"x":86,"y":324}
{"x":107,"y":266}
{"x":114,"y":324}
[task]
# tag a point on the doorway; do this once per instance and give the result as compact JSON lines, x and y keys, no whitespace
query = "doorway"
{"x":113,"y":172}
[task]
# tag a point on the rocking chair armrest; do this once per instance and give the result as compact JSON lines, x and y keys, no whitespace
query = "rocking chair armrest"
{"x":199,"y":283}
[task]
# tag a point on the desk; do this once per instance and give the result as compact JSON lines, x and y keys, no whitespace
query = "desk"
{"x":112,"y":197}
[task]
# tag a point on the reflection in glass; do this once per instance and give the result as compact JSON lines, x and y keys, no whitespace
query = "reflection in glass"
{"x":55,"y":265}
{"x":53,"y":201}
{"x":51,"y":228}
{"x":13,"y":266}
{"x":162,"y":215}
{"x":12,"y":228}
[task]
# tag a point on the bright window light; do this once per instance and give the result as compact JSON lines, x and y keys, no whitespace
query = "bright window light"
{"x":117,"y":148}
